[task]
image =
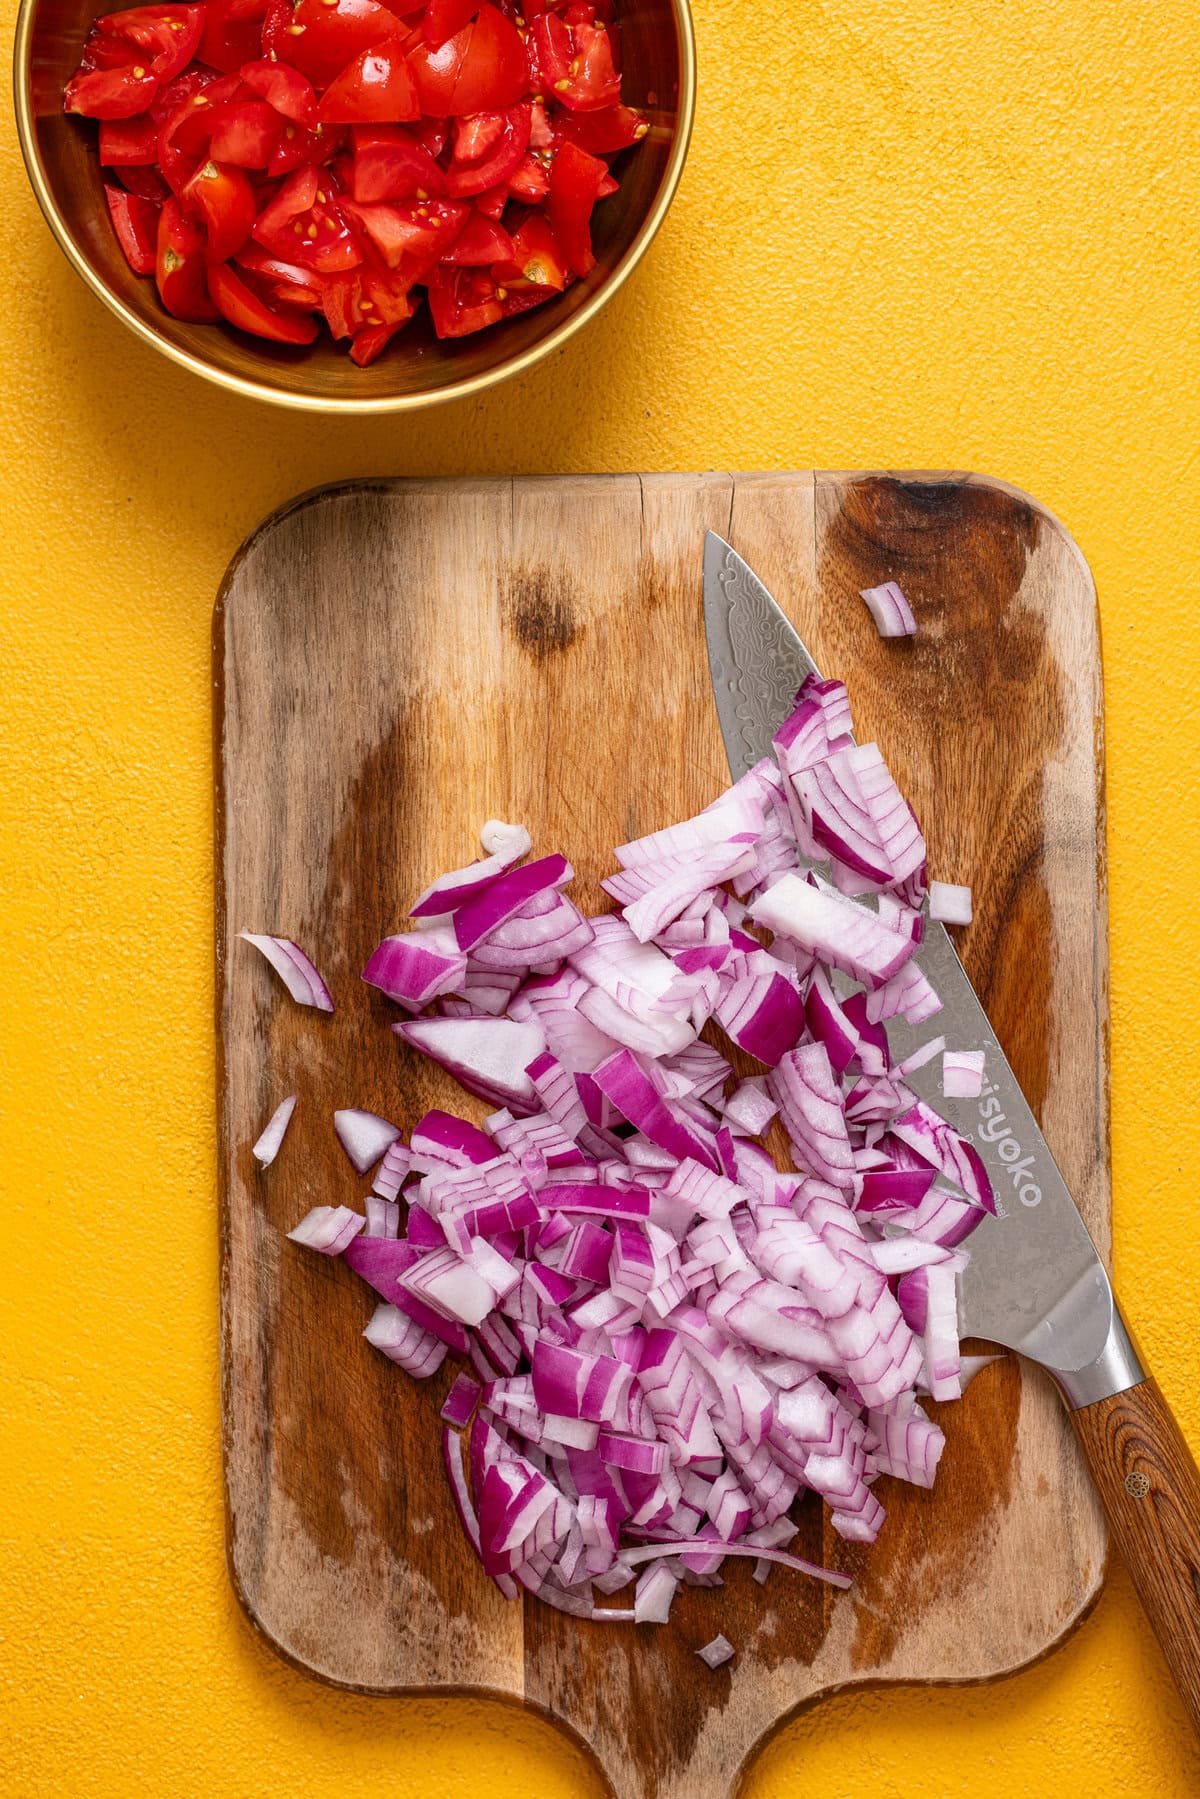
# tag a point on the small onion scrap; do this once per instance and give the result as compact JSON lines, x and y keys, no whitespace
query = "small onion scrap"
{"x":719,"y":1651}
{"x":890,"y":610}
{"x":660,"y":1337}
{"x":949,"y":904}
{"x":298,"y":974}
{"x":268,"y":1145}
{"x":962,"y":1073}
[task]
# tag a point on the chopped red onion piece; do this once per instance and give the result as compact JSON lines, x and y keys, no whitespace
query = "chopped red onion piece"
{"x":484,"y":912}
{"x":654,"y":1593}
{"x":919,"y":1056}
{"x":949,"y":904}
{"x":294,"y":969}
{"x":811,"y":1104}
{"x":837,"y":929}
{"x":506,"y":845}
{"x":365,"y":1137}
{"x":720,"y":1649}
{"x":763,"y":1014}
{"x":962,"y":1073}
{"x":383,"y":1218}
{"x":328,"y":1229}
{"x":750,"y":1107}
{"x":941,"y":1146}
{"x":393,"y":1171}
{"x":651,"y":1551}
{"x":403,"y":1341}
{"x":488,"y":1055}
{"x":267,"y":1147}
{"x":461,"y":1401}
{"x":417,"y":967}
{"x":890,"y":610}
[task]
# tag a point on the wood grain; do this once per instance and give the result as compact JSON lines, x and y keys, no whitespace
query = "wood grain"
{"x":1147,"y":1480}
{"x":396,"y":662}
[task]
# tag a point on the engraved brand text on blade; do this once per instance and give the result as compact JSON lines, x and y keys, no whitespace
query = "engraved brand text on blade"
{"x":993,"y":1128}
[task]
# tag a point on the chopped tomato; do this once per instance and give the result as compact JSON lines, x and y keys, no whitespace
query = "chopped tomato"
{"x":480,"y":243}
{"x":375,"y":88}
{"x":297,"y":147}
{"x":444,"y":17}
{"x":284,"y":88}
{"x":277,"y":34}
{"x":129,"y":56}
{"x":492,"y":203}
{"x":322,"y":40}
{"x":183,"y":136}
{"x":172,"y":95}
{"x":389,"y":164}
{"x":366,"y":344}
{"x":238,"y":303}
{"x":304,"y":223}
{"x":475,"y":136}
{"x":529,"y":181}
{"x":431,"y":134}
{"x":135,"y":222}
{"x":575,"y":179}
{"x":232,"y":33}
{"x":245,"y":132}
{"x":482,"y":68}
{"x":410,"y":237}
{"x":576,"y":63}
{"x":128,"y":143}
{"x":494,"y":73}
{"x":223,"y":199}
{"x":435,"y":72}
{"x":286,"y":282}
{"x":295,"y":198}
{"x":327,"y":156}
{"x":119,"y":93}
{"x":462,"y":301}
{"x":521,"y":299}
{"x":541,"y":131}
{"x":537,"y":259}
{"x":168,"y":36}
{"x":365,"y":297}
{"x":180,"y":266}
{"x":500,"y":161}
{"x":145,"y":182}
{"x":600,"y":133}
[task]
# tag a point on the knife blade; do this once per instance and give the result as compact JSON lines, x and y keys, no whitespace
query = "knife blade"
{"x":1034,"y":1282}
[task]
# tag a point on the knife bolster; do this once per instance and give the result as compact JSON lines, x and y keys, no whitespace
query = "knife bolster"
{"x":1115,"y":1369}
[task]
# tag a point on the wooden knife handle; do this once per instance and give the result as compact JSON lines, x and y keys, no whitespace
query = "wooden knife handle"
{"x":1150,"y":1489}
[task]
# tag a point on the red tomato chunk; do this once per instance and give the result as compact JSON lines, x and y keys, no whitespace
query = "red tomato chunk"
{"x":283,"y":165}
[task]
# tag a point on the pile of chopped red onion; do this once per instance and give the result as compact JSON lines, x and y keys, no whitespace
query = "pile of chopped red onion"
{"x":669,"y":1337}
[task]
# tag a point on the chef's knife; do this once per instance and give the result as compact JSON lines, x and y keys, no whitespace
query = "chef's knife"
{"x":1034,"y":1282}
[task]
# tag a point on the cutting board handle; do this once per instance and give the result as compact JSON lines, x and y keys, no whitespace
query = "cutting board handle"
{"x":1150,"y":1489}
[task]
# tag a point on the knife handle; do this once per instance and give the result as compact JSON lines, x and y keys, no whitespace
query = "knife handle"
{"x":1150,"y":1489}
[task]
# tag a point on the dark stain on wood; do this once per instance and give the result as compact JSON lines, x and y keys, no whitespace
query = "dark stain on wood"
{"x":539,"y":612}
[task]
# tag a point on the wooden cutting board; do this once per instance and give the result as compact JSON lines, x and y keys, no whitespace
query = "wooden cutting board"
{"x":398,"y":661}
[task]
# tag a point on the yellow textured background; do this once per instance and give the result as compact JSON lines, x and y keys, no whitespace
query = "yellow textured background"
{"x":912,"y":233}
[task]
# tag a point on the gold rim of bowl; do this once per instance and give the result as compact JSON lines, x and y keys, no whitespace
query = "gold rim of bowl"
{"x":457,"y":390}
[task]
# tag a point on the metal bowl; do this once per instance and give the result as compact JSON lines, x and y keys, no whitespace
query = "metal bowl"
{"x":659,"y":68}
